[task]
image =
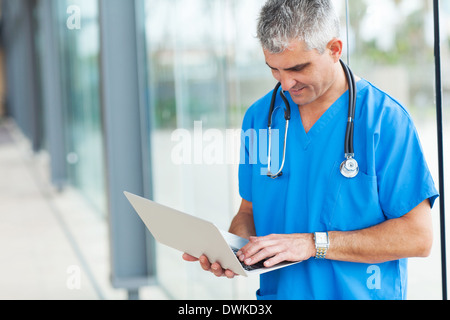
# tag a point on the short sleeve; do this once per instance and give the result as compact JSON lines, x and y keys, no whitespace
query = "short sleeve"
{"x":404,"y":179}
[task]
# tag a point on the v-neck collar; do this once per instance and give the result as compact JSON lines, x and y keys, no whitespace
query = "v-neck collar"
{"x":300,"y":132}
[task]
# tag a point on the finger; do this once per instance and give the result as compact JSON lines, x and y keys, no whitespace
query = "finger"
{"x":217,"y":269}
{"x":255,"y":245}
{"x":274,"y":260}
{"x":230,"y":274}
{"x":263,"y":254}
{"x":188,"y":257}
{"x":204,"y":263}
{"x":260,"y":248}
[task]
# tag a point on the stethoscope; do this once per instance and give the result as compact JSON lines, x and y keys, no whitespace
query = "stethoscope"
{"x":349,"y":168}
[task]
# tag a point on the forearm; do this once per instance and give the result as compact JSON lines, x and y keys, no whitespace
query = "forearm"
{"x":243,"y":224}
{"x":409,"y":236}
{"x":405,"y":237}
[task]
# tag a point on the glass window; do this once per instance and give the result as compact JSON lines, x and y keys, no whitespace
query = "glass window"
{"x":79,"y":50}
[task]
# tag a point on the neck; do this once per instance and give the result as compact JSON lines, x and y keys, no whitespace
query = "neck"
{"x":312,"y":112}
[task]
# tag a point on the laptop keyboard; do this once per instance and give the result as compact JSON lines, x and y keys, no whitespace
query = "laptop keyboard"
{"x":255,"y":266}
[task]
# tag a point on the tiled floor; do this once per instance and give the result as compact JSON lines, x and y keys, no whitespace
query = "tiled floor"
{"x":52,"y":244}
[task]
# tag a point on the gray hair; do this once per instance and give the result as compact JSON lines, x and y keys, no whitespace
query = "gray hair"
{"x":313,"y":21}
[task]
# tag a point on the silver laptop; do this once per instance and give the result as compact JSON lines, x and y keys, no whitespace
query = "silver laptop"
{"x":195,"y":236}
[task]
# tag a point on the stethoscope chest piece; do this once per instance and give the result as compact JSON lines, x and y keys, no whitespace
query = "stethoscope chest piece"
{"x":349,"y":168}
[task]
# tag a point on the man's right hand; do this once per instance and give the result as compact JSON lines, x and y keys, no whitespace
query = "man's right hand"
{"x":215,"y":268}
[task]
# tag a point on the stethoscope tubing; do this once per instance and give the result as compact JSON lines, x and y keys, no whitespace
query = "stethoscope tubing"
{"x":349,"y":168}
{"x":348,"y":147}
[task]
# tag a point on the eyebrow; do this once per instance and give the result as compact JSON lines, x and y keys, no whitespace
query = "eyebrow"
{"x":298,"y":67}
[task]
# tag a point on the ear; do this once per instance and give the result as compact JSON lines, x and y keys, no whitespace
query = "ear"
{"x":335,"y":49}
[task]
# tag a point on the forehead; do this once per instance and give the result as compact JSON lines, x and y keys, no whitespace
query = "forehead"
{"x":296,"y":53}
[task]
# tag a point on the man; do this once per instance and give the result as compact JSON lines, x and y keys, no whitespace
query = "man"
{"x":370,"y":224}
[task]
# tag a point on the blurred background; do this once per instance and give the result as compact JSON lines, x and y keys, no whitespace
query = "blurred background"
{"x":91,"y":94}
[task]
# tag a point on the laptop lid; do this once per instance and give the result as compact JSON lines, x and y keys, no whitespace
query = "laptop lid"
{"x":185,"y":232}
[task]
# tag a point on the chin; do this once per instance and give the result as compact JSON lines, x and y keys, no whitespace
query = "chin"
{"x":301,"y":101}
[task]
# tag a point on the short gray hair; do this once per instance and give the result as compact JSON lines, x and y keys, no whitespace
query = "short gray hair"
{"x":313,"y":21}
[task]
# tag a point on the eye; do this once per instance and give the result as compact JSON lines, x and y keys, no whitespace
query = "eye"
{"x":300,"y":68}
{"x":275,"y":73}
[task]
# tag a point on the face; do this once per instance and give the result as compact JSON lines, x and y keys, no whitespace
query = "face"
{"x":307,"y":75}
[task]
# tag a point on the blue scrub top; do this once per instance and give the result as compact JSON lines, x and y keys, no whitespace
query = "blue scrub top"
{"x":313,"y":196}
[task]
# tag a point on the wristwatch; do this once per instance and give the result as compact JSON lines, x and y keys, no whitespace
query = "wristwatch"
{"x":322,"y":243}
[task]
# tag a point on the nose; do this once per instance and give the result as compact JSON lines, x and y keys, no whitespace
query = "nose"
{"x":287,"y":82}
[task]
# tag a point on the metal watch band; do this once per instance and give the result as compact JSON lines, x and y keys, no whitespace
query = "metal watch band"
{"x":321,"y":253}
{"x":321,"y":246}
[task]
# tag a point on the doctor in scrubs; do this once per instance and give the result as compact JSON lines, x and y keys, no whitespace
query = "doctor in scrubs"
{"x":352,"y":236}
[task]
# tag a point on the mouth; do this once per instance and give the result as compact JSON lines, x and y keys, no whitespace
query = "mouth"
{"x":297,"y":92}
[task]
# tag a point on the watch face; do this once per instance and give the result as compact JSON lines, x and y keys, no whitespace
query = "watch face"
{"x":321,"y":238}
